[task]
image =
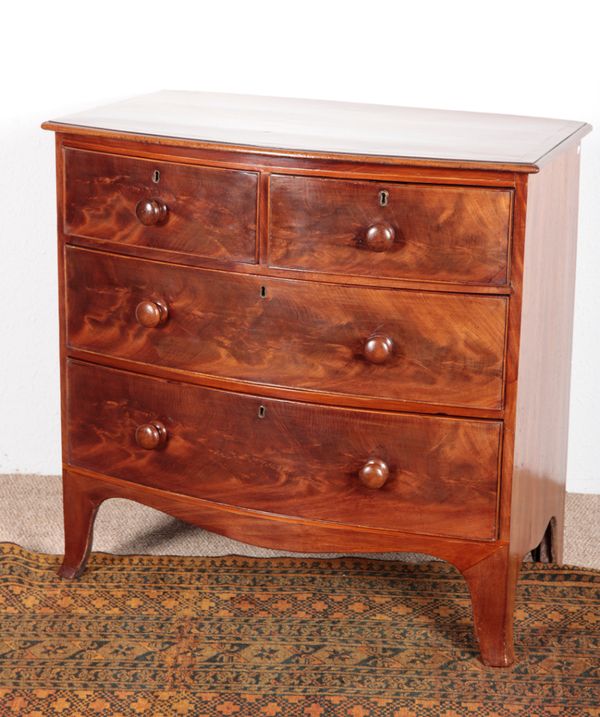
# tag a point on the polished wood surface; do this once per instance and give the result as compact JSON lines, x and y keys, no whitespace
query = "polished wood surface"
{"x":421,"y":232}
{"x":300,"y":360}
{"x":492,"y":585}
{"x":378,"y":348}
{"x":379,"y":236}
{"x":287,"y":457}
{"x":151,"y":436}
{"x":151,"y":212}
{"x":410,"y":346}
{"x":320,"y":126}
{"x":151,"y":314}
{"x":374,"y":473}
{"x":84,"y":488}
{"x":177,"y":208}
{"x":341,"y":167}
{"x":542,"y":408}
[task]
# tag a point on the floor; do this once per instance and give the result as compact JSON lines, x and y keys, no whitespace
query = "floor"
{"x":31,"y":516}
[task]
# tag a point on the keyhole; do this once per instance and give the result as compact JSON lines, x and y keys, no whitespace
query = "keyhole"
{"x":261,"y":411}
{"x":156,"y":176}
{"x":384,"y":197}
{"x":263,"y":292}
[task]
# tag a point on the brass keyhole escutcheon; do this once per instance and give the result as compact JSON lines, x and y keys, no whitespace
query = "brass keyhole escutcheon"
{"x":262,"y":411}
{"x":156,"y":176}
{"x":384,"y":197}
{"x":263,"y":292}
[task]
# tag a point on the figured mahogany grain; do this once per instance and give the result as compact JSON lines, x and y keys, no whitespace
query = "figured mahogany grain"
{"x":288,"y":457}
{"x":438,"y":233}
{"x":257,"y":527}
{"x":293,"y":339}
{"x":444,"y":348}
{"x":253,"y":159}
{"x":209,"y":212}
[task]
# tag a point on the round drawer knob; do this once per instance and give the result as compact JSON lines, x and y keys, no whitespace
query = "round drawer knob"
{"x":151,"y":212}
{"x":380,"y":237}
{"x":378,"y":348}
{"x":151,"y":435}
{"x":374,"y":473}
{"x":151,"y":313}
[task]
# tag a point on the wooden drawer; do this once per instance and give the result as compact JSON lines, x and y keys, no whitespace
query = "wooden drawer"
{"x":298,"y":459}
{"x":193,"y":210}
{"x":445,"y":349}
{"x":424,"y":232}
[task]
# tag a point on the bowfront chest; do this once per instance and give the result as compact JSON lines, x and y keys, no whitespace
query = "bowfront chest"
{"x":319,"y":326}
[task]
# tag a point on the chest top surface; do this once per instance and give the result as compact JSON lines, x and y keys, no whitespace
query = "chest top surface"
{"x":324,"y":127}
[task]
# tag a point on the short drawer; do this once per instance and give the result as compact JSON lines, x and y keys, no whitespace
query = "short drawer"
{"x":403,"y":472}
{"x":390,"y":230}
{"x":201,"y":211}
{"x":445,"y":349}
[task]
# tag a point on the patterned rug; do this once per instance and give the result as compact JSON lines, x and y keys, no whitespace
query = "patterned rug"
{"x":285,"y":637}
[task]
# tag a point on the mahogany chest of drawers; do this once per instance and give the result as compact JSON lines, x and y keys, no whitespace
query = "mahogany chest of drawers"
{"x":321,"y":327}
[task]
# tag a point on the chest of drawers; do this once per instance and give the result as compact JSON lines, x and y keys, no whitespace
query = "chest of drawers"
{"x":321,"y":327}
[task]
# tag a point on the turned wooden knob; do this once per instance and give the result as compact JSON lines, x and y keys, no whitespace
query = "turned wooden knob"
{"x":380,"y":237}
{"x":378,"y":348}
{"x":374,"y":473}
{"x":151,"y":212}
{"x":151,"y":313}
{"x":151,"y":435}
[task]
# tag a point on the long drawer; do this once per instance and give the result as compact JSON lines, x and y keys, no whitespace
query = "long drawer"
{"x":434,"y":348}
{"x":390,"y":230}
{"x":183,"y":209}
{"x":403,"y":472}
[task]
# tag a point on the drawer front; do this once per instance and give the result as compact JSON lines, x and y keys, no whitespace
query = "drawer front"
{"x":444,"y":349}
{"x":202,"y":211}
{"x":440,"y":475}
{"x":423,"y":232}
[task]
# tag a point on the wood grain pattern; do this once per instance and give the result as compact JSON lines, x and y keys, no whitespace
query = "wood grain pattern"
{"x":542,"y":409}
{"x":79,"y":509}
{"x":511,"y":374}
{"x":257,"y":527}
{"x":447,"y":348}
{"x":210,"y":213}
{"x":287,"y":457}
{"x":345,"y":303}
{"x":62,"y":298}
{"x":320,"y":397}
{"x":279,"y":157}
{"x":340,"y":166}
{"x":324,"y":127}
{"x":437,"y":233}
{"x":492,"y":584}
